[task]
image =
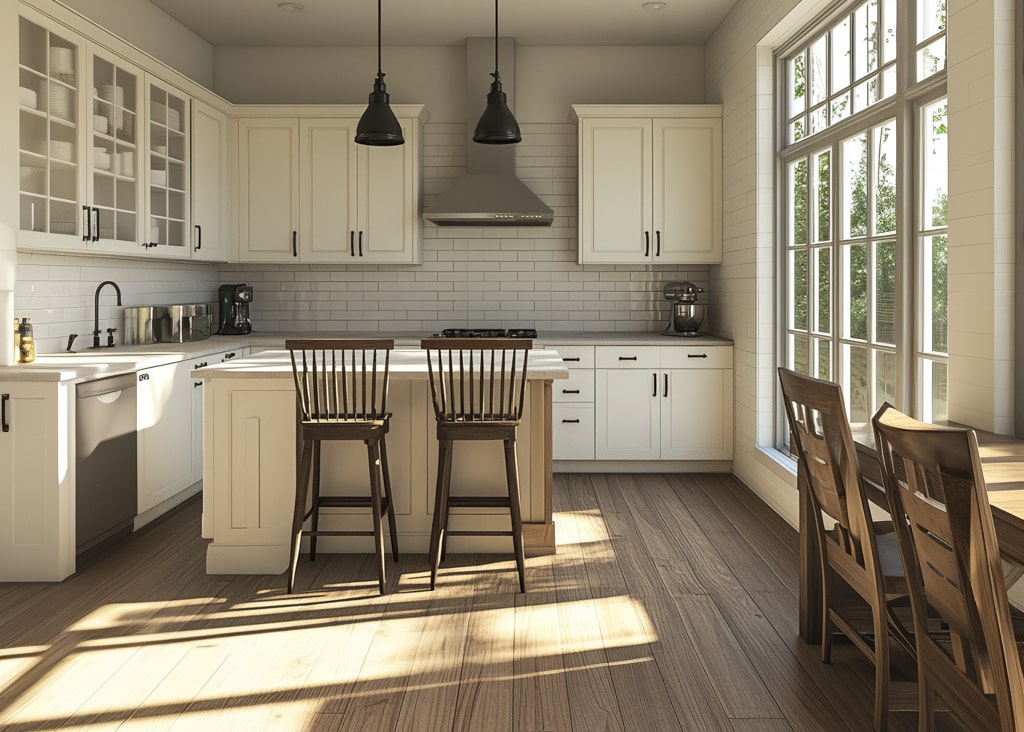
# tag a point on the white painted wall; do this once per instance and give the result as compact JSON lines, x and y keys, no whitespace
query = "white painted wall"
{"x":151,"y":29}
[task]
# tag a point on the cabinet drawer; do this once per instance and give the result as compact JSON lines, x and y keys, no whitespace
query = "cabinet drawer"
{"x":579,"y":387}
{"x":696,"y":357}
{"x":575,"y":357}
{"x":572,"y":435}
{"x":628,"y":357}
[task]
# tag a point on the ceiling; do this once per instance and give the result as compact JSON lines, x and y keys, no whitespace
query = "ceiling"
{"x":447,"y":22}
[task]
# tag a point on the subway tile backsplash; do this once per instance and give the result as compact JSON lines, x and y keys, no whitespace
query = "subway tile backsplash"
{"x":498,"y":277}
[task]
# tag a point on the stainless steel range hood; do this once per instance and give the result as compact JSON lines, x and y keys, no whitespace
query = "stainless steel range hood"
{"x":489,"y":194}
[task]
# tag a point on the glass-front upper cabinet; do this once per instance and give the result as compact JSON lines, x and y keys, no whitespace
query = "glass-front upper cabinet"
{"x":167,"y":145}
{"x":51,"y":183}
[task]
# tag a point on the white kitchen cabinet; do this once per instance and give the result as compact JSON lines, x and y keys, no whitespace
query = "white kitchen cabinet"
{"x":167,"y":230}
{"x":650,"y":184}
{"x":37,"y":497}
{"x":165,"y":405}
{"x":572,"y":408}
{"x":626,"y":404}
{"x":210,"y":184}
{"x":308,"y":193}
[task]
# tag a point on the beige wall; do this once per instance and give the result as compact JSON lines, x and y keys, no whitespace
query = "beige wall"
{"x":739,"y":65}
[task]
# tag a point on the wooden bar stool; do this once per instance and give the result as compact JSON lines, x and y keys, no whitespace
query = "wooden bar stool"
{"x":341,"y":394}
{"x":477,"y":386}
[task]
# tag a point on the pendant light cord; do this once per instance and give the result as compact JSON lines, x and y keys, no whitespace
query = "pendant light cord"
{"x":378,"y":38}
{"x":496,"y":37}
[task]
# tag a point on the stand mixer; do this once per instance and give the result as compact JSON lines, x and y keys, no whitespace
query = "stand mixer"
{"x":686,"y":315}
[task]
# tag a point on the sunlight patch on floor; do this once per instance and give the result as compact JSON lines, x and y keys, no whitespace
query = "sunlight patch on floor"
{"x":580,"y":527}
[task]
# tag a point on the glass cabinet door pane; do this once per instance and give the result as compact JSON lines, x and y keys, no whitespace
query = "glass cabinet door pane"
{"x":168,"y":172}
{"x":115,"y":159}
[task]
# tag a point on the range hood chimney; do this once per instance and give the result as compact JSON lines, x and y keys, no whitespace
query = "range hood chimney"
{"x":489,"y":194}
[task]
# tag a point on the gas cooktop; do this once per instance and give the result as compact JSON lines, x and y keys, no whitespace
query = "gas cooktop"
{"x":487,"y":333}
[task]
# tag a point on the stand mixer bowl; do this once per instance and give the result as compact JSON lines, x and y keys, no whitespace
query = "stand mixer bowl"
{"x":687,"y":318}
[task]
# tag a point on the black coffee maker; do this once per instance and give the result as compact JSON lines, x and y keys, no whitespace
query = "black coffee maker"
{"x":234,"y":309}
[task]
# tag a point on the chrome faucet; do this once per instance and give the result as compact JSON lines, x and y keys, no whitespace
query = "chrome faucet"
{"x":96,"y":313}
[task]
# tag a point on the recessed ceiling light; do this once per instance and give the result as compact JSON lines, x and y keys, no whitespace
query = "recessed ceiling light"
{"x":655,"y":5}
{"x":291,"y":7}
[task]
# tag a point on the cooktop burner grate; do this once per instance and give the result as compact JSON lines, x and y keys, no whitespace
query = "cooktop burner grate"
{"x":488,"y":333}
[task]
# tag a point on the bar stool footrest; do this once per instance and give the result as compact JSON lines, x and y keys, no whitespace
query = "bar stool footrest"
{"x":449,"y":532}
{"x":307,"y":532}
{"x":478,"y":502}
{"x":348,"y":502}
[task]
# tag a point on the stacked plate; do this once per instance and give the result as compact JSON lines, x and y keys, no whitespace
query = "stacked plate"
{"x":101,"y":158}
{"x":61,"y":150}
{"x":28,"y":98}
{"x":158,"y":178}
{"x":115,"y":96}
{"x":60,"y":101}
{"x":100,"y":123}
{"x":62,"y":62}
{"x":126,"y":163}
{"x":173,"y":119}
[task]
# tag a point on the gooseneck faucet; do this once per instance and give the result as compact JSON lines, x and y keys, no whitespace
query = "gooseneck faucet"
{"x":96,"y":310}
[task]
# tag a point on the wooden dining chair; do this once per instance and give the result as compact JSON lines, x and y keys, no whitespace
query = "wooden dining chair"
{"x":478,"y":386}
{"x":937,"y":493}
{"x":341,"y":389}
{"x":855,"y":550}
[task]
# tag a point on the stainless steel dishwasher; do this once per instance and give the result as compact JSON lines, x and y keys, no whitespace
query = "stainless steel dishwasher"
{"x":106,"y":477}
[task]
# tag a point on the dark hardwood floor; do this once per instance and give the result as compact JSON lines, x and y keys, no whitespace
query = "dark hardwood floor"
{"x":670,"y":605}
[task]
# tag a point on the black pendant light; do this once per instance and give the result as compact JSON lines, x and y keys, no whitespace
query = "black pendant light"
{"x":497,"y":126}
{"x":378,"y":126}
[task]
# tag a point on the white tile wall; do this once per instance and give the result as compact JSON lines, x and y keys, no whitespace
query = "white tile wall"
{"x":488,"y":276}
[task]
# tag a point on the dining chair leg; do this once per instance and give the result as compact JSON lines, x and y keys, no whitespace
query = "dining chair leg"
{"x":299,"y":510}
{"x":387,"y":495}
{"x":827,"y":626}
{"x":925,"y":703}
{"x":315,"y":508}
{"x":373,"y":457}
{"x":881,"y":630}
{"x":512,"y":477}
{"x":434,"y":554}
{"x":446,"y":488}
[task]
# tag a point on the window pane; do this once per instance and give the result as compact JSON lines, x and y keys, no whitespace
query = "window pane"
{"x":824,"y":359}
{"x":817,"y":56}
{"x":934,"y":391}
{"x":797,"y":85}
{"x":855,"y":383}
{"x":888,"y":31}
{"x":798,"y":203}
{"x":799,"y":349}
{"x":885,"y":378}
{"x":865,"y":39}
{"x":840,"y":107}
{"x":935,"y":295}
{"x":823,"y":313}
{"x":841,"y":55}
{"x":931,"y":18}
{"x":823,"y":204}
{"x":931,"y":59}
{"x":936,"y":158}
{"x":855,"y":300}
{"x":866,"y":93}
{"x":884,"y":155}
{"x":817,"y":120}
{"x":885,"y":293}
{"x":855,"y":181}
{"x":798,"y":288}
{"x":797,"y":130}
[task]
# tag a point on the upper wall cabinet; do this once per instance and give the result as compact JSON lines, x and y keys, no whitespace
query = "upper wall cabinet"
{"x":650,"y":184}
{"x":308,"y":193}
{"x":210,"y":184}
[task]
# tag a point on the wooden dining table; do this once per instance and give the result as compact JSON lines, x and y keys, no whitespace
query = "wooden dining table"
{"x":1002,"y":460}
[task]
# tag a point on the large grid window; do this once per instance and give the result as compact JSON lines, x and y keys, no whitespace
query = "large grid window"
{"x":864,"y":275}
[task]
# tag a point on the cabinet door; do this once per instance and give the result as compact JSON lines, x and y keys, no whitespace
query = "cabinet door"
{"x":696,"y":415}
{"x":389,"y":218}
{"x":327,"y":197}
{"x":36,"y":511}
{"x":210,"y":193}
{"x":168,"y":158}
{"x":627,"y":409}
{"x":615,"y":193}
{"x":51,"y":137}
{"x":688,"y":190}
{"x":114,"y":152}
{"x":268,"y":190}
{"x":572,"y":432}
{"x":164,"y":433}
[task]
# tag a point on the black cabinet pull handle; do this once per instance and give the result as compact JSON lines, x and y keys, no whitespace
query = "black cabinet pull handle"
{"x":655,"y":390}
{"x":657,"y":238}
{"x":570,"y":358}
{"x":229,"y":355}
{"x":360,"y":243}
{"x":627,"y":358}
{"x":352,"y":242}
{"x":570,"y":391}
{"x":199,"y":237}
{"x":696,"y":355}
{"x":564,"y":421}
{"x":96,"y":228}
{"x":6,"y":426}
{"x":666,"y":386}
{"x":647,"y":243}
{"x":196,"y":384}
{"x":87,"y":228}
{"x":295,"y":243}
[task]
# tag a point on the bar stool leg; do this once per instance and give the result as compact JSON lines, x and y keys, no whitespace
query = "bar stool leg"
{"x":512,"y":477}
{"x":449,"y":451}
{"x":315,"y":508}
{"x":373,"y":456}
{"x":387,"y":495}
{"x":435,"y":531}
{"x":299,"y":510}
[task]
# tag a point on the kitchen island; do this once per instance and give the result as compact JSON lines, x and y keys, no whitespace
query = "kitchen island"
{"x":249,"y":448}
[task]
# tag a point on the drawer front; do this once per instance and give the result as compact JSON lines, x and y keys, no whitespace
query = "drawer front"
{"x":579,"y":387}
{"x":627,"y":357}
{"x":696,"y":357}
{"x":575,"y":357}
{"x":572,"y":436}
